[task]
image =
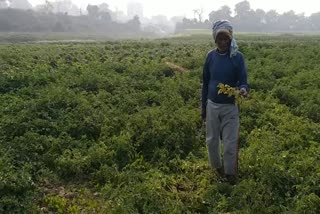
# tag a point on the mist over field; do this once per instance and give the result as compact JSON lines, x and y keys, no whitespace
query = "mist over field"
{"x":104,"y":20}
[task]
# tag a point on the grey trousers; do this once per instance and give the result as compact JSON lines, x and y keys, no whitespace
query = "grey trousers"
{"x":223,"y":119}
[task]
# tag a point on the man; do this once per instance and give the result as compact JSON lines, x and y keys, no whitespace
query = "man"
{"x":226,"y":65}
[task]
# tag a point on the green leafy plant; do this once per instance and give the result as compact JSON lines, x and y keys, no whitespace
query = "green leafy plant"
{"x":231,"y":92}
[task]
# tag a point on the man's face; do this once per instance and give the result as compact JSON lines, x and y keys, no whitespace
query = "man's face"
{"x":223,"y":42}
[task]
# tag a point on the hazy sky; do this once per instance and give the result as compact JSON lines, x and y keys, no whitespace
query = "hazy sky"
{"x":185,"y":7}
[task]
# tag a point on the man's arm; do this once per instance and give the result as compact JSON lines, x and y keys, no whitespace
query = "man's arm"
{"x":205,"y":83}
{"x":243,"y":83}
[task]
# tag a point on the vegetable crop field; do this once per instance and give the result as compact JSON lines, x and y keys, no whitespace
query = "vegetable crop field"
{"x":115,"y":127}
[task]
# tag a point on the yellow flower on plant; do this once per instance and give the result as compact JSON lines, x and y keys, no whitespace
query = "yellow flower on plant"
{"x":230,"y":91}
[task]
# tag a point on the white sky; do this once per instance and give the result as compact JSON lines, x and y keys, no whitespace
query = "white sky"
{"x":184,"y":7}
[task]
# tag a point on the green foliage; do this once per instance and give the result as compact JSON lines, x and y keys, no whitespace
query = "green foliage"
{"x":111,"y":128}
{"x":16,"y":185}
{"x":231,"y":92}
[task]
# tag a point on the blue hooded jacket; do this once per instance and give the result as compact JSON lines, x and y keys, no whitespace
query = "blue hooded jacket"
{"x":221,"y":68}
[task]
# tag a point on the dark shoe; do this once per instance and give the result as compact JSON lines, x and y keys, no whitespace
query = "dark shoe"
{"x":220,"y":171}
{"x":232,"y":179}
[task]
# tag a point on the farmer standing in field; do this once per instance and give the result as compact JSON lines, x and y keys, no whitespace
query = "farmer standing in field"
{"x":224,"y":64}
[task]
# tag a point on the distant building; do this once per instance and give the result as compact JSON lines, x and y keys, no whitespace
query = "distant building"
{"x":119,"y":16}
{"x":4,"y":4}
{"x":159,"y":19}
{"x":20,"y":4}
{"x":134,"y":9}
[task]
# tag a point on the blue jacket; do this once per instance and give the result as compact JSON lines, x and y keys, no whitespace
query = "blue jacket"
{"x":220,"y":68}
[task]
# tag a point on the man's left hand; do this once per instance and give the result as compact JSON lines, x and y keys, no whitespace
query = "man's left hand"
{"x":243,"y":92}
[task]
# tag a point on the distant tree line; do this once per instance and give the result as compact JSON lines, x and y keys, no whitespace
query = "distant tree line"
{"x":44,"y":19}
{"x":64,"y":16}
{"x":249,"y":20}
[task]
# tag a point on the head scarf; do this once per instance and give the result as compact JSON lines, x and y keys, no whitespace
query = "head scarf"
{"x":225,"y":26}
